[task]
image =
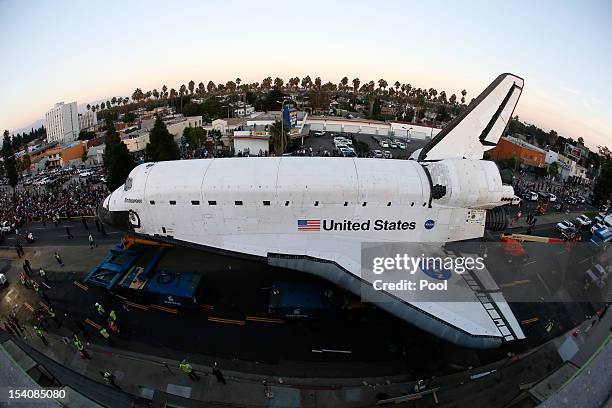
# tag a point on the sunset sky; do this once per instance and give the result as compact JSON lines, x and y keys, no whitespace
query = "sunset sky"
{"x":62,"y":51}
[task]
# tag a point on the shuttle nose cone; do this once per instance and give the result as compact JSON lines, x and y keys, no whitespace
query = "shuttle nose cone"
{"x":116,"y":219}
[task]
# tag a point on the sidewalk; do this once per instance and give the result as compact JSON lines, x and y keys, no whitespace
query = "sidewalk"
{"x":550,"y":218}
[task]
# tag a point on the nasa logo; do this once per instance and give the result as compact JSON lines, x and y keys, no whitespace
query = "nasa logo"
{"x":429,"y":224}
{"x":439,"y":274}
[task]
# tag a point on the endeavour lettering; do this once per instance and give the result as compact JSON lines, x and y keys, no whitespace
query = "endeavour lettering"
{"x":133,"y":200}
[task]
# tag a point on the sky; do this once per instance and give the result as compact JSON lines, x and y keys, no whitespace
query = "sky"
{"x":74,"y":50}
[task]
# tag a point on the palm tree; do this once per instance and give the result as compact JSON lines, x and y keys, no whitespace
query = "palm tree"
{"x":191,"y":86}
{"x":155,"y":93}
{"x":278,"y":83}
{"x":382,"y":84}
{"x":88,"y":106}
{"x":463,"y":93}
{"x":165,"y":91}
{"x":201,"y":88}
{"x":238,"y":81}
{"x":126,"y":100}
{"x":266,"y":83}
{"x":279,"y":136}
{"x":397,"y":85}
{"x":356,"y":83}
{"x":343,"y":83}
{"x":211,"y":87}
{"x":113,"y":100}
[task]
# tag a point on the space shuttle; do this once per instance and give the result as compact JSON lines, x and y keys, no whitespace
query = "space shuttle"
{"x":314,"y":214}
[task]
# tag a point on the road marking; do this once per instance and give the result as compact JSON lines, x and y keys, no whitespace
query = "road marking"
{"x":207,"y":307}
{"x":48,"y":287}
{"x":80,"y":285}
{"x":517,"y":282}
{"x":94,"y":324}
{"x":164,"y":309}
{"x":529,"y":321}
{"x":331,"y":351}
{"x":529,"y":263}
{"x":136,"y":305}
{"x":544,"y":283}
{"x":228,"y":321}
{"x":264,"y":319}
{"x":26,"y":304}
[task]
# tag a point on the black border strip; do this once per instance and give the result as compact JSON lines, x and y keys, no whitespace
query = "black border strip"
{"x":453,"y":123}
{"x":500,"y":109}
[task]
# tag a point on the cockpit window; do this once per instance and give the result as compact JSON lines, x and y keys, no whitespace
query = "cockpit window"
{"x":128,"y":184}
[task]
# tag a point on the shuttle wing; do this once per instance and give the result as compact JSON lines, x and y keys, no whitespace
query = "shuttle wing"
{"x":480,"y":126}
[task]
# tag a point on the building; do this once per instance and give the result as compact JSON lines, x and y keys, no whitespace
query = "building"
{"x":136,"y":141}
{"x":95,"y":155}
{"x":87,"y":119}
{"x":241,"y":109}
{"x":251,"y":142}
{"x":526,"y":153}
{"x":66,"y":155}
{"x":62,"y":123}
{"x":178,"y":125}
{"x":227,"y":126}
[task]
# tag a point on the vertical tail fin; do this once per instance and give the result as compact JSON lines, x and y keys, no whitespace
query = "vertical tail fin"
{"x":480,"y":126}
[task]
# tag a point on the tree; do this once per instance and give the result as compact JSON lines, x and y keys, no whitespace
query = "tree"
{"x":603,"y":186}
{"x":191,"y":86}
{"x":10,"y":165}
{"x":161,"y":146}
{"x":211,"y":87}
{"x":463,"y":93}
{"x":343,"y":83}
{"x":279,"y":136}
{"x":86,"y":135}
{"x":195,"y":136}
{"x":553,"y":169}
{"x":165,"y":91}
{"x":278,"y":83}
{"x":581,"y":141}
{"x":201,"y":88}
{"x":118,"y":162}
{"x":356,"y":83}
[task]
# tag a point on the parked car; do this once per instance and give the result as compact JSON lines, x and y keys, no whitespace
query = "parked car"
{"x":582,"y":221}
{"x":564,"y":226}
{"x":570,"y":200}
{"x":530,"y":196}
{"x":378,"y":154}
{"x":581,"y":200}
{"x":401,"y":145}
{"x":598,"y":275}
{"x":596,"y":227}
{"x":387,"y":154}
{"x":516,"y":200}
{"x":319,"y":134}
{"x":384,"y":144}
{"x":3,"y":281}
{"x":552,"y":198}
{"x":6,"y":227}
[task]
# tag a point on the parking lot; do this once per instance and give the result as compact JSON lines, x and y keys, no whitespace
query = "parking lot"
{"x":325,"y":142}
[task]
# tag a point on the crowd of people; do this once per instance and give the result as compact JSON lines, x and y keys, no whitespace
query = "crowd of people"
{"x":75,"y":199}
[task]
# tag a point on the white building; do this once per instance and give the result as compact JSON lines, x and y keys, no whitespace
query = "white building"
{"x":251,"y":142}
{"x":87,"y":119}
{"x":62,"y":123}
{"x":136,"y":141}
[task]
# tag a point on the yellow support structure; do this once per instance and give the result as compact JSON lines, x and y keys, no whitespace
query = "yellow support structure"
{"x":129,"y":241}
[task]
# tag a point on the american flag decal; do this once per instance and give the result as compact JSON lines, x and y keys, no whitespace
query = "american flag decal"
{"x":309,"y":225}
